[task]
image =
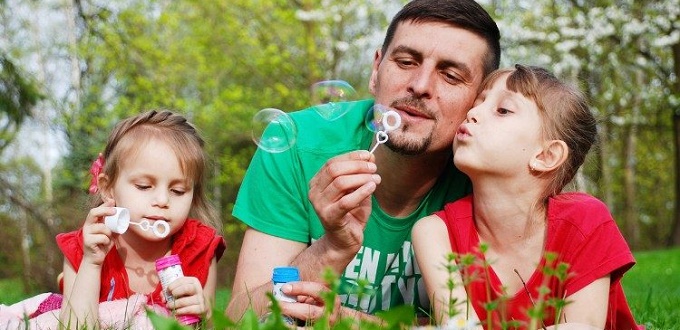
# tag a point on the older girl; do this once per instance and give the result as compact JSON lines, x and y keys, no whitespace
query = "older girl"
{"x":521,"y":144}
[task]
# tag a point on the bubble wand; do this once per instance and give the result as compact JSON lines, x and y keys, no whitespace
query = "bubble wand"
{"x":390,"y":121}
{"x":119,"y":223}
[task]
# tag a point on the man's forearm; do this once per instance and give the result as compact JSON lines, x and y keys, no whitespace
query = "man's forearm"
{"x":321,"y":255}
{"x":255,"y":299}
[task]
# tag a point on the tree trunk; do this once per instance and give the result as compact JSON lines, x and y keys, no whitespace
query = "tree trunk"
{"x":630,"y":210}
{"x":607,"y":193}
{"x":674,"y":239}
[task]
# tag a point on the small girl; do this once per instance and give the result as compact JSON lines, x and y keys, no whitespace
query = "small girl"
{"x":153,"y":165}
{"x":521,"y":144}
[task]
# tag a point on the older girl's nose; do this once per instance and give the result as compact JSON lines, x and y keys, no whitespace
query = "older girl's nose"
{"x":471,"y":116}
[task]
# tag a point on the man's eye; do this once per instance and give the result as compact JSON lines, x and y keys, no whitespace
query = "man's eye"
{"x":452,"y":78}
{"x":405,"y":62}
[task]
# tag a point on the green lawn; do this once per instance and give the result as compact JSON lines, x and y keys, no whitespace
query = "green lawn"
{"x":652,"y":288}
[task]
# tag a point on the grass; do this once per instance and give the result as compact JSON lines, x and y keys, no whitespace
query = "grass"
{"x":652,"y":288}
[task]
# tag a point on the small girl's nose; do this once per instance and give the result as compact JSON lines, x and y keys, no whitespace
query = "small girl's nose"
{"x":161,"y":199}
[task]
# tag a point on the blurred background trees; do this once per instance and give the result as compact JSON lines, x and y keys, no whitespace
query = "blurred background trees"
{"x":70,"y":69}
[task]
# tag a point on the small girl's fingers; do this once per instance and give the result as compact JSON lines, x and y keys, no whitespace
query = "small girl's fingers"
{"x":185,"y":286}
{"x":98,"y":213}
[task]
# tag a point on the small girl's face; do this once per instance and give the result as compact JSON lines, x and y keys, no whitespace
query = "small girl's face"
{"x":152,"y":186}
{"x":501,"y":133}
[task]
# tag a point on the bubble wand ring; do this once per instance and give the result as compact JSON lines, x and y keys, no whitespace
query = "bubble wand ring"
{"x":146,"y":224}
{"x":390,"y":121}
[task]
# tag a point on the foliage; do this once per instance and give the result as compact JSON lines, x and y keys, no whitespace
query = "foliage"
{"x":18,"y":95}
{"x":654,"y":305}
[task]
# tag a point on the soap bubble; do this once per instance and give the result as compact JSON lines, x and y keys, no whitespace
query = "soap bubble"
{"x":326,"y":94}
{"x":382,"y":118}
{"x":273,"y":130}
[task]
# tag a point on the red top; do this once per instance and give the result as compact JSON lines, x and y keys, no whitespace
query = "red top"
{"x":581,"y":232}
{"x":195,"y":243}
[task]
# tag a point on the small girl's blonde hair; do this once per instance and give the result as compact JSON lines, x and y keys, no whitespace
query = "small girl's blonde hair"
{"x":174,"y":129}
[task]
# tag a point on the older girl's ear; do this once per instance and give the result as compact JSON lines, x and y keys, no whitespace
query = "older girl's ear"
{"x":553,"y":155}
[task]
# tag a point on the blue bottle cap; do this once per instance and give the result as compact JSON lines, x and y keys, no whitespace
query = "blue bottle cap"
{"x":285,"y":274}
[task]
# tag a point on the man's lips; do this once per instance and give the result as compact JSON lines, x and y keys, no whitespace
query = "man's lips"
{"x":411,"y":112}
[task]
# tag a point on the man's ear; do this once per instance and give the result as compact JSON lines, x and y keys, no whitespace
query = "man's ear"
{"x":105,"y":187}
{"x":552,"y":156}
{"x":374,"y":71}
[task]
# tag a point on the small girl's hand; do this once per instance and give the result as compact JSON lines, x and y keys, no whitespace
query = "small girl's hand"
{"x":189,"y":298}
{"x":97,"y":240}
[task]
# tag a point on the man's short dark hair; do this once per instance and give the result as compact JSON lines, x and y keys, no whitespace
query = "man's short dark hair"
{"x":464,"y":14}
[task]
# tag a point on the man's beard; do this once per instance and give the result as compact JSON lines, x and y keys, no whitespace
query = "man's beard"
{"x":408,"y":147}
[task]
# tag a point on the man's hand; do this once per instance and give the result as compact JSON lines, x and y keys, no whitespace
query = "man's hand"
{"x":341,"y":195}
{"x":311,"y":305}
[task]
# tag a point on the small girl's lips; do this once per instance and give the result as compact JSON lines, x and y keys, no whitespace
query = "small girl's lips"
{"x":154,"y":218}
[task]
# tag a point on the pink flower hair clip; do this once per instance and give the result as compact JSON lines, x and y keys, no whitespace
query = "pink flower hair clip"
{"x":95,"y":170}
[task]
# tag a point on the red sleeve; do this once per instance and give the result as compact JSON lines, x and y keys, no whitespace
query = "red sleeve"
{"x":590,"y":239}
{"x":197,"y":244}
{"x":71,"y":245}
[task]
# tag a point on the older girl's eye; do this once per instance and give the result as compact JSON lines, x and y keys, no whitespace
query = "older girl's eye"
{"x":503,"y":111}
{"x":142,"y":186}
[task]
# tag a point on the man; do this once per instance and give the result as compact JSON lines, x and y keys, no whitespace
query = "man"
{"x":329,"y":203}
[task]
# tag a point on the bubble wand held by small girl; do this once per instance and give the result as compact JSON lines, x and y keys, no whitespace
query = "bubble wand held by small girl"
{"x":153,"y":168}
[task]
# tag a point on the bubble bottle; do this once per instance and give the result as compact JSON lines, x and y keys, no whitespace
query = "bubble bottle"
{"x":169,"y":269}
{"x":281,"y":276}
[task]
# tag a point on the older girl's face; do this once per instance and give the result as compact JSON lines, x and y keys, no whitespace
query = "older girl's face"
{"x":501,"y":133}
{"x":152,"y":186}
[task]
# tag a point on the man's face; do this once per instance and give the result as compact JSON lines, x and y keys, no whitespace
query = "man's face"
{"x":430,"y":74}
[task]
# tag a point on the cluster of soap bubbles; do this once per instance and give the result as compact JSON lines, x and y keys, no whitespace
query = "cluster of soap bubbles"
{"x":274,"y":131}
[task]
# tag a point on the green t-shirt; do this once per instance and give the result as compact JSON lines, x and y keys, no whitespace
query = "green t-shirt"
{"x":273,"y":199}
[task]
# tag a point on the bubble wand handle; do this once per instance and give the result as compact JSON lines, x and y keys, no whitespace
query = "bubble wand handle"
{"x":380,"y":138}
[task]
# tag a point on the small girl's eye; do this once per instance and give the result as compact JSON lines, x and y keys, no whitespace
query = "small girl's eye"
{"x":142,"y":186}
{"x":503,"y":111}
{"x":178,"y":192}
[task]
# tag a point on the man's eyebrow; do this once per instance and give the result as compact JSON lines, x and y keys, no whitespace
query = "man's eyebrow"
{"x":445,"y":64}
{"x":464,"y":68}
{"x":408,"y":50}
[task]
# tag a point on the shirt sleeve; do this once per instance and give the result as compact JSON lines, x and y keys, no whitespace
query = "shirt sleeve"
{"x":603,"y":251}
{"x":71,"y":245}
{"x":273,"y":196}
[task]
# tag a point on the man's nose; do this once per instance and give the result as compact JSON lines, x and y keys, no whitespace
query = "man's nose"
{"x":422,"y":82}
